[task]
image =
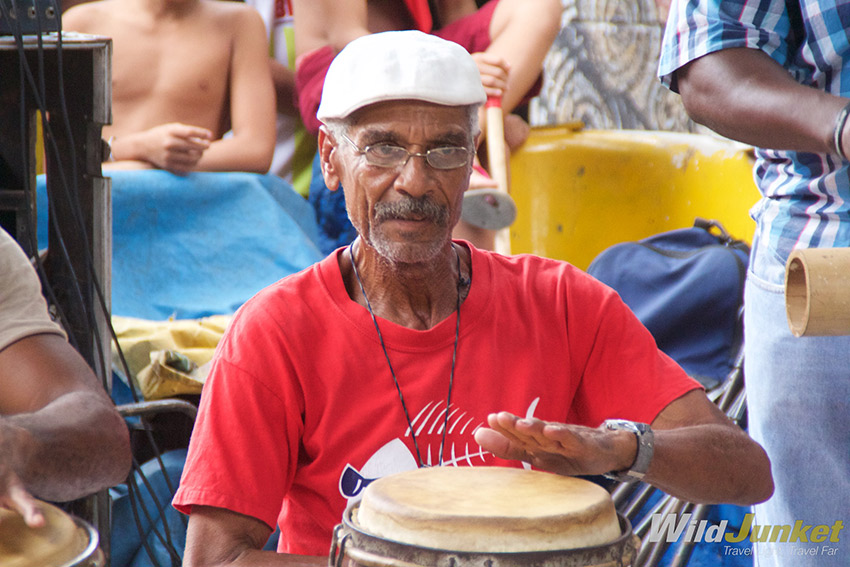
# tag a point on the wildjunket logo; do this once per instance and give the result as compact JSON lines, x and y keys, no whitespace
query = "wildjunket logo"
{"x":671,"y":529}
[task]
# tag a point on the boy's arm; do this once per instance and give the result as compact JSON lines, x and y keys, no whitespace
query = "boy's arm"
{"x":252,"y":103}
{"x":328,"y":22}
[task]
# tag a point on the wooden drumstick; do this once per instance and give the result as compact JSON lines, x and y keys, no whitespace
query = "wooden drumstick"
{"x":497,"y":160}
{"x":496,"y":154}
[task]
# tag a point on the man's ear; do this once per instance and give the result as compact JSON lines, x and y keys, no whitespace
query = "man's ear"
{"x":327,"y":151}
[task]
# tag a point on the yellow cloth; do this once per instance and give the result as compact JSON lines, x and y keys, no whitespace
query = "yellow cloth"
{"x":168,"y":358}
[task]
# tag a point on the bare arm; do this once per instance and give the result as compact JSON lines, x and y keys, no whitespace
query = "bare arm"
{"x":745,"y":95}
{"x":175,"y":147}
{"x":252,"y":104}
{"x":700,"y":455}
{"x":219,"y":537}
{"x":522,"y":32}
{"x":61,"y":437}
{"x":329,"y":22}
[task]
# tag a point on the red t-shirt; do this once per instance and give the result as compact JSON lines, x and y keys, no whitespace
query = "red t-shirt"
{"x":300,"y":410}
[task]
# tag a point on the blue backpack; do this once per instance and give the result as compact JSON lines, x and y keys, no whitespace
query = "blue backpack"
{"x":687,"y":288}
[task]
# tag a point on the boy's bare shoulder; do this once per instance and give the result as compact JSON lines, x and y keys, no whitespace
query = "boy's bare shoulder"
{"x":87,"y":16}
{"x":229,"y":9}
{"x":232,"y":17}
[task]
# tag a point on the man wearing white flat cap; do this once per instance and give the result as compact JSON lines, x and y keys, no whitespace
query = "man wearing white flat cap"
{"x":408,"y":349}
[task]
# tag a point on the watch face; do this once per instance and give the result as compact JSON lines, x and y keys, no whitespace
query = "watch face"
{"x":615,"y":424}
{"x":643,"y":433}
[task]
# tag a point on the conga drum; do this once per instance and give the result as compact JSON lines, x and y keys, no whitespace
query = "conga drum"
{"x":63,"y":541}
{"x":483,"y":516}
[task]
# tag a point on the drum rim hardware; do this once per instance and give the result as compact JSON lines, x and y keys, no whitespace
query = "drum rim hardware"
{"x":92,"y":555}
{"x":366,"y":548}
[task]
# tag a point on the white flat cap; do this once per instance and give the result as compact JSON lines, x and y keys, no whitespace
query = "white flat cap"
{"x":399,"y":65}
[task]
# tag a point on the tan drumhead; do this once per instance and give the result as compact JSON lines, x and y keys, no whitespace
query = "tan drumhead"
{"x":59,"y":541}
{"x":488,"y":509}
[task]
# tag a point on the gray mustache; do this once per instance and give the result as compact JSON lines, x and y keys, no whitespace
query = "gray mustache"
{"x":412,"y":208}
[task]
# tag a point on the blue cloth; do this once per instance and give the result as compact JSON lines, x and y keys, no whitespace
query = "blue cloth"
{"x":335,"y":229}
{"x":705,"y":553}
{"x":201,"y":244}
{"x":157,"y":530}
{"x":806,"y":196}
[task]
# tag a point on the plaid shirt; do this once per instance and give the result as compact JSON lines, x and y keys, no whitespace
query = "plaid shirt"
{"x":806,"y":197}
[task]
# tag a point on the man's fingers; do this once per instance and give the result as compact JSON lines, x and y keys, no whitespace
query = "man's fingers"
{"x":504,"y":423}
{"x":526,"y":431}
{"x":499,"y":445}
{"x":18,"y":499}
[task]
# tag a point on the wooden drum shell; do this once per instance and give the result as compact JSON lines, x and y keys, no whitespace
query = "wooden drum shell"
{"x":366,"y":550}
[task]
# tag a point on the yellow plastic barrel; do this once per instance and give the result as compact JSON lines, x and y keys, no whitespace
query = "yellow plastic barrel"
{"x":580,"y":191}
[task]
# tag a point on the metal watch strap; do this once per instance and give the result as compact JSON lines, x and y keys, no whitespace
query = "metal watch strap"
{"x":645,"y":449}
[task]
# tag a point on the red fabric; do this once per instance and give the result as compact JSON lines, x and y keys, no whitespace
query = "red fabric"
{"x":310,"y":71}
{"x":471,"y":32}
{"x":481,"y":170}
{"x":421,"y":14}
{"x":300,"y":391}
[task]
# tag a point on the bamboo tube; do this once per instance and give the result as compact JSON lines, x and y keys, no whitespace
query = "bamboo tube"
{"x":817,"y":292}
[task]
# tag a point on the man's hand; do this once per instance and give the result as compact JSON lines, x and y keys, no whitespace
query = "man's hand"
{"x":174,"y":147}
{"x":14,"y":496}
{"x":556,"y":447}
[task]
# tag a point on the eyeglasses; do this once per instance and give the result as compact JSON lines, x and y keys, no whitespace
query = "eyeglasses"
{"x":388,"y":155}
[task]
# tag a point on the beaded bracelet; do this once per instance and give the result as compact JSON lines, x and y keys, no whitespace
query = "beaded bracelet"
{"x":837,"y":132}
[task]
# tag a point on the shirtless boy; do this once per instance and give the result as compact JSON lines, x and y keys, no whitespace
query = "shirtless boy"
{"x":184,"y":72}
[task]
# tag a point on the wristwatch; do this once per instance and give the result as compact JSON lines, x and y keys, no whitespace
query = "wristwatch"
{"x":645,"y":449}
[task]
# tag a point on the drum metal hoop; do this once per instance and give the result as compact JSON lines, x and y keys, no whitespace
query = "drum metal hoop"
{"x":367,"y":559}
{"x":337,"y":553}
{"x":344,"y":543}
{"x":92,"y":555}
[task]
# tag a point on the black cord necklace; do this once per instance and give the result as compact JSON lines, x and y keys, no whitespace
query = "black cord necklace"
{"x":461,"y":282}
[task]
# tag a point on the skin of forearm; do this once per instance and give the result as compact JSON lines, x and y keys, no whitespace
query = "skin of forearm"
{"x":257,"y":558}
{"x":745,"y":95}
{"x":235,"y":154}
{"x":693,"y":464}
{"x":72,"y":447}
{"x":221,"y":538}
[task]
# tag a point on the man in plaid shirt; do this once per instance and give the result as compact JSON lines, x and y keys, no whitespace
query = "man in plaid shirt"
{"x":776,"y":74}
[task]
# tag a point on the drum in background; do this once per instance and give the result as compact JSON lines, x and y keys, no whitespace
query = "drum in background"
{"x":63,"y":541}
{"x":483,"y":516}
